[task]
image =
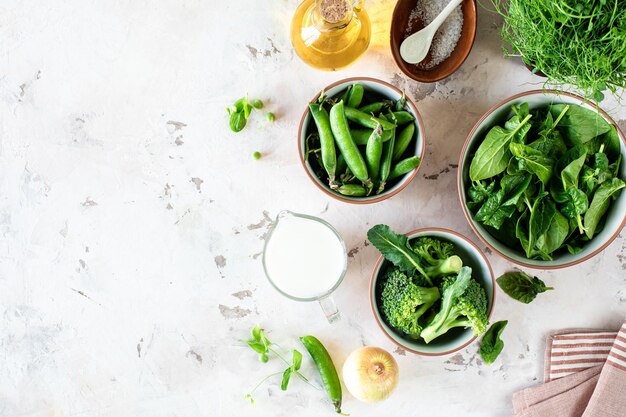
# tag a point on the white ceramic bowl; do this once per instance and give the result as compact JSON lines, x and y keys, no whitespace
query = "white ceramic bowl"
{"x":615,"y":217}
{"x":382,"y":89}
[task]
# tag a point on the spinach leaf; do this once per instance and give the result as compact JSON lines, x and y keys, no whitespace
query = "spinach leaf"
{"x":576,"y":204}
{"x":580,"y":125}
{"x":569,"y":174}
{"x":554,"y":237}
{"x":521,"y":287}
{"x":517,"y":124}
{"x":541,"y":216}
{"x":479,"y":192}
{"x":552,"y":144}
{"x":492,"y":156}
{"x":533,"y":161}
{"x":514,"y":186}
{"x":600,"y":204}
{"x":611,"y":143}
{"x":494,"y":211}
{"x":491,"y":345}
{"x":588,"y":180}
{"x":395,"y":248}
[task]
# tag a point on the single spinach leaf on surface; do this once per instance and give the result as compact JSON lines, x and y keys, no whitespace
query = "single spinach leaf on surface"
{"x":600,"y":204}
{"x":491,"y":345}
{"x":521,"y":287}
{"x":580,"y":125}
{"x":533,"y":161}
{"x":492,"y":156}
{"x":395,"y":248}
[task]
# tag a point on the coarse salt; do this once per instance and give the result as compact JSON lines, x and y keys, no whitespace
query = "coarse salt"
{"x":447,"y":35}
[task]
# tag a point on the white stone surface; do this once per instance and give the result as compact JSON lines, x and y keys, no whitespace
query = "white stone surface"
{"x":132,"y":220}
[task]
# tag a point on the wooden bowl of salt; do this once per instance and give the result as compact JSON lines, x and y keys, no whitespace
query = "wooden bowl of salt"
{"x":452,"y":42}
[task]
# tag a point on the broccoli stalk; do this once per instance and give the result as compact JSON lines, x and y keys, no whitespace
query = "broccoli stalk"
{"x":438,"y":256}
{"x":463,"y":304}
{"x":403,"y":302}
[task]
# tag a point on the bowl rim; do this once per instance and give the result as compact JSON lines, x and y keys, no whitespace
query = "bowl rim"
{"x":410,"y":235}
{"x":395,"y":52}
{"x":418,"y":121}
{"x":460,"y":184}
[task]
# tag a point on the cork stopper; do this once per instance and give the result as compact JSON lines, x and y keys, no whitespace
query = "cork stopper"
{"x":334,"y":11}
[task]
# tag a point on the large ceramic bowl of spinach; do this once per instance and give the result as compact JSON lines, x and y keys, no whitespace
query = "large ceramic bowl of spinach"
{"x":541,"y":179}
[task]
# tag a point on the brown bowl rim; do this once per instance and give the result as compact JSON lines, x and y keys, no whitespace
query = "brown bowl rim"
{"x":493,"y":291}
{"x":418,"y":119}
{"x":395,"y":52}
{"x":460,"y":179}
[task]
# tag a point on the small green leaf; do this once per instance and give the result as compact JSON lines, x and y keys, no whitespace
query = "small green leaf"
{"x":521,"y":287}
{"x":263,"y":357}
{"x":491,"y":345}
{"x":248,"y":397}
{"x":257,"y":346}
{"x":286,"y":377}
{"x":256,"y":333}
{"x":297,"y":360}
{"x":237,"y":121}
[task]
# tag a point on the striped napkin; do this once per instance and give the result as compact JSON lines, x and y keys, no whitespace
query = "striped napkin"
{"x":585,"y":376}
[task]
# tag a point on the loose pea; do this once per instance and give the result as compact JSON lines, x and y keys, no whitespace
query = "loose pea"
{"x":270,"y":116}
{"x":404,"y":166}
{"x":256,"y":155}
{"x":367,"y":120}
{"x":355,"y":96}
{"x":353,"y":190}
{"x":257,"y":104}
{"x":327,"y":142}
{"x":403,"y":141}
{"x":343,"y":138}
{"x":373,"y":152}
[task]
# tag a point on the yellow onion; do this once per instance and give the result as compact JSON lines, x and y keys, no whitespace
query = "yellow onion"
{"x":370,"y":374}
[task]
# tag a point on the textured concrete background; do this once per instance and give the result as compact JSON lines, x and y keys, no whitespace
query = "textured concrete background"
{"x":132,"y":219}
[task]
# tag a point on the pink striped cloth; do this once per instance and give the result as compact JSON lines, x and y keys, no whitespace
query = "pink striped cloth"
{"x":585,"y":376}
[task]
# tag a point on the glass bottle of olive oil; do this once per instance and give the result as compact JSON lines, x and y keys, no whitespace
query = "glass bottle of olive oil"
{"x":330,"y":34}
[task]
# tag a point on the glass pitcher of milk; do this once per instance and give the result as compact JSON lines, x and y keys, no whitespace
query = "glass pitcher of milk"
{"x":305,"y":259}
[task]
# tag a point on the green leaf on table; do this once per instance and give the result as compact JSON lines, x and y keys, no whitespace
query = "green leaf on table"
{"x":296,"y":361}
{"x":237,"y":121}
{"x":286,"y":376}
{"x":521,"y":287}
{"x":491,"y":345}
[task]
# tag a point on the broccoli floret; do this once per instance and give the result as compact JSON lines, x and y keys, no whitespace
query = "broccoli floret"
{"x":403,"y":302}
{"x":463,"y":304}
{"x":437,"y":257}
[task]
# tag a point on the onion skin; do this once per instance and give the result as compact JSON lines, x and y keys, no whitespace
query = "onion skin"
{"x":370,"y":374}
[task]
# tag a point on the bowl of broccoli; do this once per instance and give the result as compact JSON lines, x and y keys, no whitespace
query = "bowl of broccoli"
{"x":431,"y":291}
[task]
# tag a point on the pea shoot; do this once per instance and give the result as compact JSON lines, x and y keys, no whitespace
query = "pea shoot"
{"x":240,"y":111}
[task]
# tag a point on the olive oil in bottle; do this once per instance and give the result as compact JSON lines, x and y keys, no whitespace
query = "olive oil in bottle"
{"x":330,"y":34}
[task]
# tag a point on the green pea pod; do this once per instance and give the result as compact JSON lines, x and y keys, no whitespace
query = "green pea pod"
{"x":372,"y":107}
{"x":352,"y":190}
{"x":341,"y":164}
{"x":361,"y":136}
{"x":385,"y":163}
{"x":327,"y":142}
{"x":403,"y":141}
{"x":402,"y":117}
{"x":326,"y":368}
{"x":373,"y":152}
{"x":367,"y":120}
{"x":404,"y":166}
{"x":401,"y":103}
{"x":355,"y":96}
{"x":346,"y":94}
{"x":347,"y":147}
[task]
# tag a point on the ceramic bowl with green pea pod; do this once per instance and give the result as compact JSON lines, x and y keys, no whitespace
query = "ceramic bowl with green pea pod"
{"x":377,"y":102}
{"x":541,"y":179}
{"x":455,"y":338}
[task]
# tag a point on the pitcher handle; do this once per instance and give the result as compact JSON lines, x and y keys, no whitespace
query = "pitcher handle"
{"x":330,"y":309}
